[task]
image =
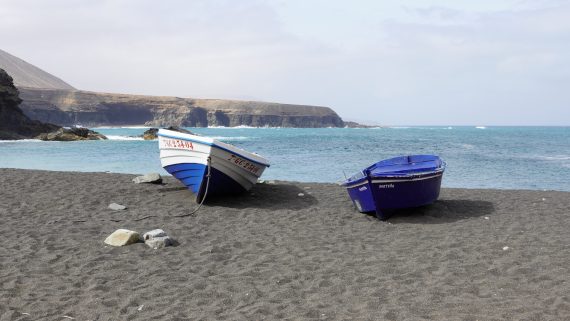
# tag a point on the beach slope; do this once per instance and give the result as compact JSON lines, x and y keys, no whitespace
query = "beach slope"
{"x":272,"y":254}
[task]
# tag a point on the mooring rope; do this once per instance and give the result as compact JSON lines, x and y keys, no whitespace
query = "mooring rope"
{"x":208,"y":175}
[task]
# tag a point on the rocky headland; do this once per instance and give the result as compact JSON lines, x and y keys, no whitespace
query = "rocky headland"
{"x":14,"y":124}
{"x":69,"y":107}
{"x":47,"y":98}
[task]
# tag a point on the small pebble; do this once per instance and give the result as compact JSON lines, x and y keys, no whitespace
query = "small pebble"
{"x":544,"y":199}
{"x":140,"y":308}
{"x":505,"y":248}
{"x":301,"y":194}
{"x":117,"y":207}
{"x":486,"y":217}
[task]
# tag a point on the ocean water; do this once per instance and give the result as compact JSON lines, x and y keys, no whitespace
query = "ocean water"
{"x":536,"y":158}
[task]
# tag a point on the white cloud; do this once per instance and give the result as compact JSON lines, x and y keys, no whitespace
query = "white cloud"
{"x":393,"y":63}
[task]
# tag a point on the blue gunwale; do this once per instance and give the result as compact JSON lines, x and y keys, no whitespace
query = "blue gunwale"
{"x":214,"y":145}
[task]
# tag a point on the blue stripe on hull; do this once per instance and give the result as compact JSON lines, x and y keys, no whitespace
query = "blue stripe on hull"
{"x":193,"y":176}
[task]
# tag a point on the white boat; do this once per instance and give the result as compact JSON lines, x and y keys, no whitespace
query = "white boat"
{"x":190,"y":158}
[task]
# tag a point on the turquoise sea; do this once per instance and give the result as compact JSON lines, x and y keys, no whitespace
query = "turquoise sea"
{"x":535,"y":158}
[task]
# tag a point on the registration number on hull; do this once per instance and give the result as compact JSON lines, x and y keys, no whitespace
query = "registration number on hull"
{"x":244,"y":163}
{"x":177,"y":143}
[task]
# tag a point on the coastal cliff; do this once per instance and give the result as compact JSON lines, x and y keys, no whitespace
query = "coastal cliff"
{"x":14,"y":124}
{"x":47,"y":98}
{"x":71,"y":107}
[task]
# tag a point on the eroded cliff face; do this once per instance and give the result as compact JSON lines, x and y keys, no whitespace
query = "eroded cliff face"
{"x":72,"y":107}
{"x":14,"y":124}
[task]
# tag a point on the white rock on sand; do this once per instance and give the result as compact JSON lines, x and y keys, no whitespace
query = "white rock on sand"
{"x":157,"y":239}
{"x":122,"y":237}
{"x":151,"y":178}
{"x":117,"y":207}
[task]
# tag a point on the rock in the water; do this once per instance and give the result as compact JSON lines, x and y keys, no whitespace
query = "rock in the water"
{"x":122,"y":237}
{"x":152,"y":178}
{"x":179,"y":129}
{"x":117,"y":207}
{"x":72,"y":134}
{"x":157,"y":239}
{"x":150,"y":134}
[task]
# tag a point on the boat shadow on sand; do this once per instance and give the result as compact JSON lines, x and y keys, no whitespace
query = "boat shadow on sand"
{"x":263,"y":196}
{"x":442,"y":211}
{"x":267,"y":196}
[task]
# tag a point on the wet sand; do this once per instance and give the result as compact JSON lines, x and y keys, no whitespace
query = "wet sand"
{"x":271,"y":254}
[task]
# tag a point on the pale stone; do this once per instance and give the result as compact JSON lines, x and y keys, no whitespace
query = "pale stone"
{"x":157,"y":239}
{"x":159,"y":242}
{"x":152,"y":178}
{"x":117,"y":207}
{"x":154,"y":233}
{"x":122,"y":237}
{"x":301,"y":194}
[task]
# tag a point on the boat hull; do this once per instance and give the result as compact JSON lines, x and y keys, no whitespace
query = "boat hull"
{"x":400,"y":182}
{"x":390,"y":193}
{"x":361,"y":196}
{"x":189,"y":158}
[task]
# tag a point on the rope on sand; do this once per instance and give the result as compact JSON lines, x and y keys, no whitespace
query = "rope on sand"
{"x":208,"y":175}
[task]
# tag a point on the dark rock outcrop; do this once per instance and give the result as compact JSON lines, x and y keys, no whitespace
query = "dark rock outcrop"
{"x":152,"y":133}
{"x":71,"y":134}
{"x":352,"y":124}
{"x":70,"y":107}
{"x":14,"y":124}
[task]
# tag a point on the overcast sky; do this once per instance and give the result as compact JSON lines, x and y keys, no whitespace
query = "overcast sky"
{"x":406,"y":62}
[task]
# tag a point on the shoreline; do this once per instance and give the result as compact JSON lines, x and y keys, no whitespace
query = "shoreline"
{"x":271,"y":254}
{"x":262,"y":181}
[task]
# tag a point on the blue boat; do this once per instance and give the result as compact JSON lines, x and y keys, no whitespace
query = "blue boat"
{"x":395,"y":183}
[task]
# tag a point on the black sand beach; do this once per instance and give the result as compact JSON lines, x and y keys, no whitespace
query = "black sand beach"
{"x":271,"y":254}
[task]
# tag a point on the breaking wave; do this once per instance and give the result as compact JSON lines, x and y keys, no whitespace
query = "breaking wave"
{"x":117,"y":137}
